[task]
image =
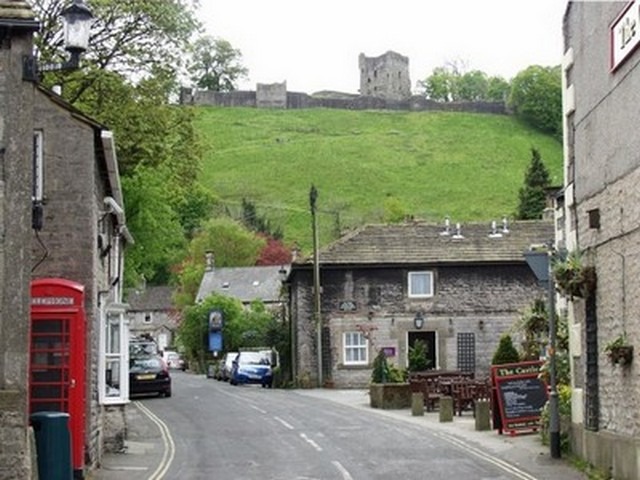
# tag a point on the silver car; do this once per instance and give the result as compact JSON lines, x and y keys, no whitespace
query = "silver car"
{"x":226,"y":364}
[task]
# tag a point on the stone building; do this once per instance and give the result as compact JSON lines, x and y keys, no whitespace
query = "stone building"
{"x":151,"y":313}
{"x":601,"y":91}
{"x":467,"y":285}
{"x":386,"y":76}
{"x":17,"y":25}
{"x":81,"y":238}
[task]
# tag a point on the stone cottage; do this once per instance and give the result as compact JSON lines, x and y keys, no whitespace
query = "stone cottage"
{"x":387,"y":286}
{"x":601,"y":91}
{"x":151,"y":313}
{"x":80,"y":234}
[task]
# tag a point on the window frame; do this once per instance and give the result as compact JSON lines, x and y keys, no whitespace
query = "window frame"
{"x":37,"y":187}
{"x":347,"y":346}
{"x":114,"y":349}
{"x":430,"y":283}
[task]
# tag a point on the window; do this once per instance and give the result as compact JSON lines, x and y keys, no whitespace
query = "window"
{"x":355,"y":349}
{"x":420,"y":284}
{"x":114,"y":374}
{"x":148,"y":318}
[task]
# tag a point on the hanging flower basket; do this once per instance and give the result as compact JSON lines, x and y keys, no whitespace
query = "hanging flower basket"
{"x":573,"y":278}
{"x":619,"y":351}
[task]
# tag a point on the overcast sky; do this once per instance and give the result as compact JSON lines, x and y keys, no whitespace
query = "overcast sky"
{"x":314,"y":45}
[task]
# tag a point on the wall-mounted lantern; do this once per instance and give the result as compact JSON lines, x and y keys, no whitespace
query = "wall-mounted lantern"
{"x":418,"y":321}
{"x":77,"y":19}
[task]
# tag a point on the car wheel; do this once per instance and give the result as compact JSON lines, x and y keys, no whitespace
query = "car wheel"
{"x":167,"y":394}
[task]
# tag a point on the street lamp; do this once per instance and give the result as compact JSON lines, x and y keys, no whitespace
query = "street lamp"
{"x":540,"y":262}
{"x":77,"y":19}
{"x":418,"y":321}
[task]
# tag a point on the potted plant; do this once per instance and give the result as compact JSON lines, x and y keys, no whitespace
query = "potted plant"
{"x":574,"y":278}
{"x":619,"y":350}
{"x":388,"y":389}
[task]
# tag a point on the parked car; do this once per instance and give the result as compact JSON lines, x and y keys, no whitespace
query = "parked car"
{"x":149,"y":375}
{"x":174,"y":360}
{"x":226,"y":365}
{"x":252,"y":367}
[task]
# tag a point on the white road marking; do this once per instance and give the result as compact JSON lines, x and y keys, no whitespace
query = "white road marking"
{"x":169,"y":446}
{"x":311,"y":442}
{"x":343,"y":471}
{"x":287,"y":425}
{"x":486,"y":457}
{"x":258,"y":409}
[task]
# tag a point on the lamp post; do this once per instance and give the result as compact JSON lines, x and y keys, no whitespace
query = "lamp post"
{"x":77,"y":19}
{"x":313,"y":197}
{"x":540,"y":262}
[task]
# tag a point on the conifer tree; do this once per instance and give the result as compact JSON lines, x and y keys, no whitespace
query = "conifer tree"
{"x":532,"y":194}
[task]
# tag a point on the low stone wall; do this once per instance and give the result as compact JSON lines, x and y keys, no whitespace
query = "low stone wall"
{"x":296,"y":100}
{"x":609,"y":453}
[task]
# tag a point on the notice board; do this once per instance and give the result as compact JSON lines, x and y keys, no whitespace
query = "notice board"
{"x":521,"y":395}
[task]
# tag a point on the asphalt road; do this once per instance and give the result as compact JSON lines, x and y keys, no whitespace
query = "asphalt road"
{"x":218,"y":431}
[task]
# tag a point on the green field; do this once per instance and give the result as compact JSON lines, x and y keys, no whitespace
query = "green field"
{"x":467,"y":166}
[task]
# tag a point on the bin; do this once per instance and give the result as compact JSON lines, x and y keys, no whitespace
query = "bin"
{"x":53,"y":445}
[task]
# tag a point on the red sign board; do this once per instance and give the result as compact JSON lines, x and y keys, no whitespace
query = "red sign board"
{"x":521,"y":395}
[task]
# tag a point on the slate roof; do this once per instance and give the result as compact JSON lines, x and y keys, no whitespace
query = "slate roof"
{"x":158,"y":298}
{"x":244,"y":283}
{"x":423,"y":243}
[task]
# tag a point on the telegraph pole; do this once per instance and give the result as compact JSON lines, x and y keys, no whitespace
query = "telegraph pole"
{"x":313,"y":197}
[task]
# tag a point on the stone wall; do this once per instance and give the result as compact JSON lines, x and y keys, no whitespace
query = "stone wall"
{"x":273,"y":95}
{"x":415,"y":103}
{"x":16,"y":145}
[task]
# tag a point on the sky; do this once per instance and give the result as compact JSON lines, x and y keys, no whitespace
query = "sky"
{"x":314,"y":45}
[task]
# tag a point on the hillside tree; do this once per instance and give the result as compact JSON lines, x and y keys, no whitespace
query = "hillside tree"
{"x":536,"y":98}
{"x":216,"y":65}
{"x":532,"y":195}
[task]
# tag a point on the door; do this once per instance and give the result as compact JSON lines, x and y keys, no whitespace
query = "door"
{"x":430,"y":339}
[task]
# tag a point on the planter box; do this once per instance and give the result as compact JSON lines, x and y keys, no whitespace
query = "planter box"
{"x":390,"y":395}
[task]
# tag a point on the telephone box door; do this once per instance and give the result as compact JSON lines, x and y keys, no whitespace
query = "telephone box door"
{"x":57,"y":377}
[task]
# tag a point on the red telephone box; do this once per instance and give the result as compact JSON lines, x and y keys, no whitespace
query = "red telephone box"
{"x":57,"y":371}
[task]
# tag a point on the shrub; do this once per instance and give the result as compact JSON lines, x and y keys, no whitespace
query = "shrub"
{"x":506,"y":352}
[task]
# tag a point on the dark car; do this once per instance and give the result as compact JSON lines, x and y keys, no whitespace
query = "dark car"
{"x":149,"y":375}
{"x":252,"y":367}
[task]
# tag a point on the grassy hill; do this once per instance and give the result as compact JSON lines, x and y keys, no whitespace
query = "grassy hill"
{"x":433,"y":164}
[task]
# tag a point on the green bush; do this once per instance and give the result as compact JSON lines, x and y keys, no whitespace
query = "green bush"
{"x":418,"y":360}
{"x":506,"y":352}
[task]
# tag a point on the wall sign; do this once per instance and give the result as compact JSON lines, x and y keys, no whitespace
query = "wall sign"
{"x":521,"y":395}
{"x":624,"y":34}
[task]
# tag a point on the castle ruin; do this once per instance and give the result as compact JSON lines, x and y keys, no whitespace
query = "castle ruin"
{"x":386,"y":76}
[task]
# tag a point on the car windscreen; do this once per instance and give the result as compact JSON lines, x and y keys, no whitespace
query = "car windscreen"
{"x":253,"y":358}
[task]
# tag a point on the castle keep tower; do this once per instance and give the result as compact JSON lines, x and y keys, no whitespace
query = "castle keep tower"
{"x":386,"y":76}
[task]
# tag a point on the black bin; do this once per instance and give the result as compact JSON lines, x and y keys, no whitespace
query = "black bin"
{"x":53,"y":445}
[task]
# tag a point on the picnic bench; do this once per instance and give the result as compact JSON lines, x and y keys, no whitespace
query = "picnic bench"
{"x":461,"y":387}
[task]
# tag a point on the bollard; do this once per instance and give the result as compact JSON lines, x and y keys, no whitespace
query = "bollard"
{"x":446,"y":409}
{"x":417,"y":404}
{"x":483,"y":413}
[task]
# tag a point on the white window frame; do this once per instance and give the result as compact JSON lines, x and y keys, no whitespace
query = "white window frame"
{"x":114,"y":351}
{"x":37,"y":189}
{"x":362,"y":346}
{"x":411,"y":283}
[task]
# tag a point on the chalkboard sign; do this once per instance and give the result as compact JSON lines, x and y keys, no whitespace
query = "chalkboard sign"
{"x":521,"y":395}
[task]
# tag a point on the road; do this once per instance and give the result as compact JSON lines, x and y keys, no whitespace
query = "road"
{"x":218,"y":431}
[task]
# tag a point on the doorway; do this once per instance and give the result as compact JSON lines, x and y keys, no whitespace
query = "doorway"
{"x":429,"y":338}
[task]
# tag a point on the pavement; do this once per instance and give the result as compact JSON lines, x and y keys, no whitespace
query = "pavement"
{"x":523,"y":456}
